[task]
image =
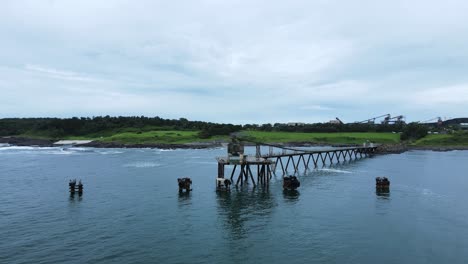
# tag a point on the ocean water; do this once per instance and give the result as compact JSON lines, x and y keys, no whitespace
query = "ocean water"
{"x":131,"y":211}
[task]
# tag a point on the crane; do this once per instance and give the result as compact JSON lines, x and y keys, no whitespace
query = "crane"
{"x":341,"y":122}
{"x":439,"y":121}
{"x":372,"y":120}
{"x":395,"y":119}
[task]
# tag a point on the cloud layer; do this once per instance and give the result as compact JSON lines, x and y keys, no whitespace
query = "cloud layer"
{"x":234,"y":61}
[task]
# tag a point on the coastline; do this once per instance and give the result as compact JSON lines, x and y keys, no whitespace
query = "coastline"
{"x":23,"y":141}
{"x":382,"y":149}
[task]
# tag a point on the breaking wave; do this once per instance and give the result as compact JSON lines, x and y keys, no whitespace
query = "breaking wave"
{"x":334,"y":170}
{"x":142,"y":164}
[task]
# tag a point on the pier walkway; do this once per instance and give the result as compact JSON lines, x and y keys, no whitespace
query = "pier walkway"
{"x":321,"y":156}
{"x":287,"y":158}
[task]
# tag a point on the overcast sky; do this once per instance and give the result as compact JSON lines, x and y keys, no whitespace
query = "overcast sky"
{"x":234,"y":61}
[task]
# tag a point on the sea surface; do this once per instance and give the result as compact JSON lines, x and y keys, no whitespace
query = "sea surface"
{"x":131,"y":211}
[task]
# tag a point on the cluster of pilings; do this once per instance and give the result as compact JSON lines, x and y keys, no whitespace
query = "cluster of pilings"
{"x":75,"y":187}
{"x":184,"y":184}
{"x":248,"y":167}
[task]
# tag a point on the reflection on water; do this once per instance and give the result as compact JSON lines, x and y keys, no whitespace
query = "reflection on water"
{"x":291,"y":196}
{"x":242,"y":207}
{"x":383,"y":194}
{"x":184,"y":198}
{"x":79,"y":197}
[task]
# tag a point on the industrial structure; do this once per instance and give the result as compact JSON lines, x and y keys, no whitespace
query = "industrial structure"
{"x":393,"y":120}
{"x":387,"y":119}
{"x":372,"y":119}
{"x":432,"y":121}
{"x":263,"y":166}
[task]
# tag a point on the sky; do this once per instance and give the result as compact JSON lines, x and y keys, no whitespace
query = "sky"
{"x":234,"y":61}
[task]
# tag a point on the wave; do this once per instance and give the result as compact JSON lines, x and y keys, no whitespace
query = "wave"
{"x":57,"y":150}
{"x":142,"y":164}
{"x":201,"y":162}
{"x":109,"y":152}
{"x":18,"y":148}
{"x":35,"y":150}
{"x":169,"y":150}
{"x":334,"y":170}
{"x":80,"y":149}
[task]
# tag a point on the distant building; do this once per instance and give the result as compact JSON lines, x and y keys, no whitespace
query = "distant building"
{"x":335,"y":122}
{"x":464,"y":126}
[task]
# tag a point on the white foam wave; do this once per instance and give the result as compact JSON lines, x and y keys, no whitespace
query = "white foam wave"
{"x":109,"y":152}
{"x":44,"y":150}
{"x":202,"y":162}
{"x":59,"y":152}
{"x":335,"y":170}
{"x":81,"y":149}
{"x":18,"y":148}
{"x":142,"y":164}
{"x":26,"y":150}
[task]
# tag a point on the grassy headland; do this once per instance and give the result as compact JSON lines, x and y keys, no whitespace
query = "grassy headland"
{"x":183,"y":137}
{"x":160,"y":137}
{"x":459,"y":139}
{"x":144,"y":131}
{"x":322,"y":138}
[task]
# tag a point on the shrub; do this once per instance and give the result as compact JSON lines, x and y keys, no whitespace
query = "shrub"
{"x":413,"y":131}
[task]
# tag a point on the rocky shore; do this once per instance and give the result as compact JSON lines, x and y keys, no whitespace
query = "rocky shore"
{"x":22,"y":141}
{"x":98,"y":144}
{"x":391,"y":149}
{"x":438,"y":148}
{"x":381,"y":149}
{"x":400,"y":148}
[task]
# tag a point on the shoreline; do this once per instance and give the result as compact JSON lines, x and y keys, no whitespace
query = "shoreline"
{"x":381,"y":149}
{"x":29,"y":142}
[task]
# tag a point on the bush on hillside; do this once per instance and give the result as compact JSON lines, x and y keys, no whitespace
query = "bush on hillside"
{"x":413,"y":131}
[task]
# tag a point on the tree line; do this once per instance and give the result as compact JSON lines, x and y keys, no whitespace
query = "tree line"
{"x":107,"y":125}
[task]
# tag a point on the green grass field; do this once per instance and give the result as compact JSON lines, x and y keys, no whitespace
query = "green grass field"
{"x":327,"y":138}
{"x":181,"y":137}
{"x":444,"y":140}
{"x":163,"y":137}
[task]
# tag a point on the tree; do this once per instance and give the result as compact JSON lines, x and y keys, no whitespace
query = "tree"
{"x":413,"y":131}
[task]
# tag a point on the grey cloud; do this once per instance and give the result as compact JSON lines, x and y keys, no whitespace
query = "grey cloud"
{"x":331,"y":58}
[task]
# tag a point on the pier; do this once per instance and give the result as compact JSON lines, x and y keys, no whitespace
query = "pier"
{"x":244,"y":167}
{"x":317,"y":157}
{"x":263,"y":169}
